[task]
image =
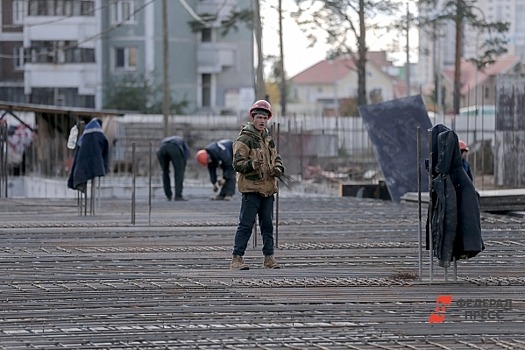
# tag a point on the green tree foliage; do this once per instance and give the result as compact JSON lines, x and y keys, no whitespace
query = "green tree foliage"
{"x":345,"y":24}
{"x":135,"y":92}
{"x":465,"y":14}
{"x":232,"y":22}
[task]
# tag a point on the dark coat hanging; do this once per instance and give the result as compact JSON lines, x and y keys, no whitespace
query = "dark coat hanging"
{"x":455,"y":214}
{"x":91,"y":157}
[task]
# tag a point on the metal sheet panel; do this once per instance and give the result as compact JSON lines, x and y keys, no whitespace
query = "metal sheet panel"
{"x":392,"y":128}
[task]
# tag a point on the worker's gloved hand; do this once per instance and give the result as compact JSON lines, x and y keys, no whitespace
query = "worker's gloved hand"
{"x":215,"y":187}
{"x":276,"y":172}
{"x":220,"y":182}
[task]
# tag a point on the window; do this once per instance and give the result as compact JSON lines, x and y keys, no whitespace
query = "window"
{"x":61,"y":7}
{"x":87,"y":8}
{"x":126,"y":58}
{"x":19,"y":56}
{"x":206,"y":35}
{"x":74,"y":54}
{"x":59,"y":52}
{"x":18,"y":11}
{"x":123,"y":11}
{"x":206,"y":90}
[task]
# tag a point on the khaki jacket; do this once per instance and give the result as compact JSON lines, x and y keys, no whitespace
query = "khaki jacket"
{"x":250,"y":145}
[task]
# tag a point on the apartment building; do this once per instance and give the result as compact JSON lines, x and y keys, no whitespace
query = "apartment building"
{"x":70,"y":52}
{"x":437,"y":45}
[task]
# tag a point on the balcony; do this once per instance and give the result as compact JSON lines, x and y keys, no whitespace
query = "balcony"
{"x":74,"y":28}
{"x":78,"y":75}
{"x":212,"y":57}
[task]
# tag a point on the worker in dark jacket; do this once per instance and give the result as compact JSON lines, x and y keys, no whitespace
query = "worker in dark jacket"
{"x":464,"y":152}
{"x":173,"y":150}
{"x":219,"y":155}
{"x":455,"y":214}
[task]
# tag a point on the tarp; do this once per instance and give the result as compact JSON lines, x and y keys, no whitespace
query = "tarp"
{"x":392,"y":128}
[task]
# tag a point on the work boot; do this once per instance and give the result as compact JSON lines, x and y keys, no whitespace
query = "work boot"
{"x":270,"y":263}
{"x":238,"y":263}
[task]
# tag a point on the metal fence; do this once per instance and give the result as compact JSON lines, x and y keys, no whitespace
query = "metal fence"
{"x":333,"y":149}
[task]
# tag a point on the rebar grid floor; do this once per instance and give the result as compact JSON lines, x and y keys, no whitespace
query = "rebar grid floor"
{"x":349,"y":279}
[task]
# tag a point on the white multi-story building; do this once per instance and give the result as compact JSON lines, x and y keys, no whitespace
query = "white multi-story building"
{"x":440,"y":52}
{"x":70,"y":52}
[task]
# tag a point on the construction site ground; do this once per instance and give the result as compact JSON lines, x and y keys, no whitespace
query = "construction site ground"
{"x":349,"y":278}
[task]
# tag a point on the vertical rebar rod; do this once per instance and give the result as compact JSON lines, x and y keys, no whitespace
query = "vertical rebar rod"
{"x":277,"y":195}
{"x":455,"y":269}
{"x":430,"y":236}
{"x":133,"y":182}
{"x":3,"y":159}
{"x":419,"y":231}
{"x":254,"y":232}
{"x":93,"y":197}
{"x":149,"y":171}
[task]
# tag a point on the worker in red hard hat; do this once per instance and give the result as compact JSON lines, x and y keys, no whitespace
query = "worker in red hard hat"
{"x":463,"y":148}
{"x":258,"y":165}
{"x":219,"y":155}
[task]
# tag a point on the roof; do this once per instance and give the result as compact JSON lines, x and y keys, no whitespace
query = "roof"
{"x":325,"y":72}
{"x":328,"y":71}
{"x":470,"y":76}
{"x":28,"y":107}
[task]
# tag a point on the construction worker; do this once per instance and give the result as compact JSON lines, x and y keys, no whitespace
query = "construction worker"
{"x":215,"y":155}
{"x":464,"y":152}
{"x":173,"y":150}
{"x":257,"y":163}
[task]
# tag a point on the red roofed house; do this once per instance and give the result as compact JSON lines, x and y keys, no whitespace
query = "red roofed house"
{"x":478,"y":86}
{"x":322,"y":88}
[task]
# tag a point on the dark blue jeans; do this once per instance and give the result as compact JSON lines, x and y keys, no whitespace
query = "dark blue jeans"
{"x":251,"y":205}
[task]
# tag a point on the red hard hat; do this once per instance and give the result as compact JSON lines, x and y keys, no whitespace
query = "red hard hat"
{"x":463,"y":146}
{"x":202,"y":157}
{"x":262,"y":104}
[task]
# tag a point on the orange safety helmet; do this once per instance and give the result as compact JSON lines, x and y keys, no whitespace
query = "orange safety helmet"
{"x":202,"y":157}
{"x":463,"y":146}
{"x":262,"y":104}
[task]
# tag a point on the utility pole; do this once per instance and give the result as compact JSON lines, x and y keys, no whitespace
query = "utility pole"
{"x":457,"y":60}
{"x":281,"y":64}
{"x":260,"y":88}
{"x":165,"y":74}
{"x":407,"y":70}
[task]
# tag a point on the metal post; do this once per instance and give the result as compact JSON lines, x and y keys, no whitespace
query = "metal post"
{"x":277,"y":196}
{"x":165,"y":68}
{"x":455,"y":269}
{"x":254,"y":232}
{"x":420,"y":226}
{"x":3,"y":159}
{"x":93,"y":197}
{"x":430,"y":236}
{"x":150,"y":170}
{"x":133,"y":169}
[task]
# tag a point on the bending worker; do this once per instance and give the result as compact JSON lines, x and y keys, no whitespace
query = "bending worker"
{"x":219,"y":155}
{"x":173,"y":150}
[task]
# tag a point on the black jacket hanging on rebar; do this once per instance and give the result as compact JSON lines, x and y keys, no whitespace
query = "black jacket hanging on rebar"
{"x":455,"y":213}
{"x":91,"y":157}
